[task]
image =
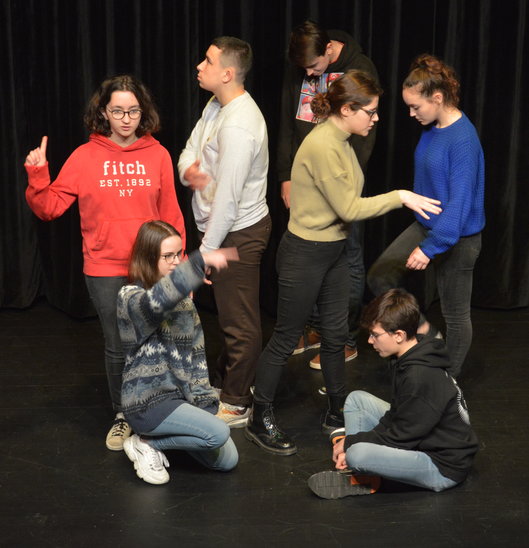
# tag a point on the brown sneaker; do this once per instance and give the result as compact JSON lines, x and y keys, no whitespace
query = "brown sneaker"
{"x":350,"y":354}
{"x":309,"y":340}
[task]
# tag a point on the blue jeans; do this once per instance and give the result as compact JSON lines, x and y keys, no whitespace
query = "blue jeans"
{"x":309,"y":273}
{"x":355,"y":261}
{"x":204,"y":436}
{"x":453,"y":271}
{"x":104,"y":294}
{"x":362,"y":412}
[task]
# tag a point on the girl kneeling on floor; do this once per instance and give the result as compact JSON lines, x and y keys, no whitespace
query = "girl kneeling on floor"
{"x":166,"y":395}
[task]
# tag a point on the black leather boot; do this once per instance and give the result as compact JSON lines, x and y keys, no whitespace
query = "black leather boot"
{"x":334,"y":415}
{"x":262,"y":429}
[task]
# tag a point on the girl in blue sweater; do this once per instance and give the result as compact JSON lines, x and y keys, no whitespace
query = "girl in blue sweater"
{"x":449,"y":166}
{"x":166,"y":395}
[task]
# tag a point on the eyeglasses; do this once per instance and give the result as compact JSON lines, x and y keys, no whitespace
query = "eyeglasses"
{"x":371,"y":113}
{"x":119,"y":114}
{"x":169,"y":258}
{"x":376,"y":335}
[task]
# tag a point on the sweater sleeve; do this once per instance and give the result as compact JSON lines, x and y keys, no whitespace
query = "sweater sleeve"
{"x":168,"y":206}
{"x":286,"y":149}
{"x":141,"y":311}
{"x":50,"y":201}
{"x":236,"y":151}
{"x":343,"y":192}
{"x":459,"y":192}
{"x":191,"y":152}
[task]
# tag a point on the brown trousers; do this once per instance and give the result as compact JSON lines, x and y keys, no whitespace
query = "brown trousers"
{"x":236,"y":291}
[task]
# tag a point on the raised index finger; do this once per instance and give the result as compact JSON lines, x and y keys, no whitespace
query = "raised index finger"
{"x":44,"y":144}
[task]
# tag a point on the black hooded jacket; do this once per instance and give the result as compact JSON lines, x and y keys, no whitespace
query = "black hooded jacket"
{"x":428,"y":412}
{"x":292,"y":131}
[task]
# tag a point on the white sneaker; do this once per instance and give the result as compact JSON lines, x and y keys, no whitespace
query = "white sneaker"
{"x":235,"y":416}
{"x":149,"y":463}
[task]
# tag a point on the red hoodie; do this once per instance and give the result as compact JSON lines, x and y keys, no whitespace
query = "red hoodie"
{"x":118,"y":189}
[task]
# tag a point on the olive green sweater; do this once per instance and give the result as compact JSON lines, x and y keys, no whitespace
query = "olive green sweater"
{"x":327,"y":184}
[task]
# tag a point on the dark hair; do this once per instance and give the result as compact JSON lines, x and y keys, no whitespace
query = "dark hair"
{"x":431,"y":74}
{"x":307,"y":41}
{"x":97,"y":123}
{"x":145,"y":255}
{"x":393,"y":310}
{"x":235,"y":52}
{"x":354,"y":88}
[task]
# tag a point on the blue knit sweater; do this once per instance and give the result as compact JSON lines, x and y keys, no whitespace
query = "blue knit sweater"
{"x":163,"y":341}
{"x":449,"y":166}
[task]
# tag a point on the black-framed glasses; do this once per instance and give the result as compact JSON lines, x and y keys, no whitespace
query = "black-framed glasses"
{"x":374,"y":335}
{"x":371,"y":113}
{"x":169,"y":258}
{"x":119,"y":114}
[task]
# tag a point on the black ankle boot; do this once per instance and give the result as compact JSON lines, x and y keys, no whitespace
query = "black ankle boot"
{"x":334,"y":415}
{"x":262,"y":429}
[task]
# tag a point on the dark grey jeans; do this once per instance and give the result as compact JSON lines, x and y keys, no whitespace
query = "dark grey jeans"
{"x":453,"y":271}
{"x":104,"y":294}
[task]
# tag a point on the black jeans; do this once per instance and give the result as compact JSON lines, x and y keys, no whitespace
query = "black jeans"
{"x":354,"y":250}
{"x":453,"y":270}
{"x":308,"y":273}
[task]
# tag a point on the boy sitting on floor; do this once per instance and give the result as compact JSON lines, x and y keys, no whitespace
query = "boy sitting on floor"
{"x":423,"y":437}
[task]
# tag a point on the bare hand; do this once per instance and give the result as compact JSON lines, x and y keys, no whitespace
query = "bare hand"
{"x":198,"y":180}
{"x":340,"y":462}
{"x":337,"y":449}
{"x":338,"y":455}
{"x":417,"y":260}
{"x":37,"y":157}
{"x":218,"y":259}
{"x":285,"y":193}
{"x":419,"y":203}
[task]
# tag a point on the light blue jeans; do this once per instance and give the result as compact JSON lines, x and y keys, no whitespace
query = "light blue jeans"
{"x":362,"y":412}
{"x":203,"y":435}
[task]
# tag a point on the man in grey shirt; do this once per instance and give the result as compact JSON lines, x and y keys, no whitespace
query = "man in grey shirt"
{"x":225,"y":163}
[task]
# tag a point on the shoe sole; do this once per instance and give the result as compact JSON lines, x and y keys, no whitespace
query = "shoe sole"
{"x":317,"y":366}
{"x":333,"y":485}
{"x":131,"y":454}
{"x":298,"y":351}
{"x":237,"y":423}
{"x":115,"y":448}
{"x":282,"y":452}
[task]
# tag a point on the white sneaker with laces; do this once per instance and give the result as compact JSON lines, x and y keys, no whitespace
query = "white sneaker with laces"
{"x":149,"y":463}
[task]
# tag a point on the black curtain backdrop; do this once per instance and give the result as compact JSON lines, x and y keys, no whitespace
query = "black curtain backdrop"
{"x":53,"y":54}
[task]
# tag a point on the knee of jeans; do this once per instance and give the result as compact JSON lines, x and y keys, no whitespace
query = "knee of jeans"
{"x":358,"y":456}
{"x":352,"y":399}
{"x":220,"y":436}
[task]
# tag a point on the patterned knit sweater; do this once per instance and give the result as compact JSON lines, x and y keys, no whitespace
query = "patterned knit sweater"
{"x":163,"y":343}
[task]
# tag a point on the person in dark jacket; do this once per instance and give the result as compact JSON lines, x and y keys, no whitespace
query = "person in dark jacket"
{"x":423,"y":437}
{"x":317,"y":58}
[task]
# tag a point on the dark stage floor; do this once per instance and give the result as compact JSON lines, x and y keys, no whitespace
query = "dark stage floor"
{"x":60,"y":486}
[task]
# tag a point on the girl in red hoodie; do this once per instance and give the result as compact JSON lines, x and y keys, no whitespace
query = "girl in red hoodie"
{"x":121,"y":178}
